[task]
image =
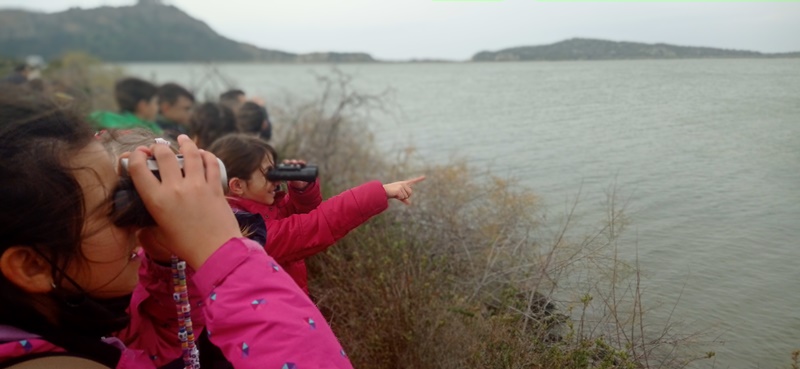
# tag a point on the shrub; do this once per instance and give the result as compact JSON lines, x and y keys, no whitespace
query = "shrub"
{"x":473,"y":274}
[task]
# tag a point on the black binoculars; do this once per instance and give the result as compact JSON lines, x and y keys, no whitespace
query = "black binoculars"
{"x":129,"y":210}
{"x":293,"y":172}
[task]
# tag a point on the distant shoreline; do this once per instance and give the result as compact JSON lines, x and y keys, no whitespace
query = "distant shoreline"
{"x":381,"y":62}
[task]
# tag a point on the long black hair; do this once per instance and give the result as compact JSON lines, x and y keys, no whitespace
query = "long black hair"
{"x":42,"y":207}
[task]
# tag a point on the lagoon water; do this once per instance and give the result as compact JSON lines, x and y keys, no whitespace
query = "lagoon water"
{"x":707,"y":152}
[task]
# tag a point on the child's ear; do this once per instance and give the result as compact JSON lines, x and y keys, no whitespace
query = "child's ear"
{"x":236,"y":186}
{"x":28,"y":270}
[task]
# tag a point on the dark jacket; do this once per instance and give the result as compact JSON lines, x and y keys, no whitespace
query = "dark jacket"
{"x":171,"y":129}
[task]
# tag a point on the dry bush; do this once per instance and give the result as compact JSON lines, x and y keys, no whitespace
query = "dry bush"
{"x":86,"y":79}
{"x":332,"y":132}
{"x":473,"y":274}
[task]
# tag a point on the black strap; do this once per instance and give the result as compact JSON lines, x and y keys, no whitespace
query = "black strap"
{"x":90,"y":348}
{"x":253,"y":226}
{"x":211,"y":357}
{"x":77,"y":346}
{"x":54,"y":360}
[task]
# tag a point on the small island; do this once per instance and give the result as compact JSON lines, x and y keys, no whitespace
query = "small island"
{"x":593,"y":49}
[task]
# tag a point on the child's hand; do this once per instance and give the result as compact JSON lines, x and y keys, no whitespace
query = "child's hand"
{"x":190,"y":209}
{"x":402,"y":190}
{"x":297,"y":185}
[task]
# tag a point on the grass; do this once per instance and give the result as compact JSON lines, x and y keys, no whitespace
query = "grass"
{"x":86,"y":80}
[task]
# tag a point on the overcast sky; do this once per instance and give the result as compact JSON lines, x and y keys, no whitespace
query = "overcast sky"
{"x":403,"y":29}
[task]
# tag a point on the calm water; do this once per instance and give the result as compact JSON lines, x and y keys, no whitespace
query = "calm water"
{"x":707,"y":150}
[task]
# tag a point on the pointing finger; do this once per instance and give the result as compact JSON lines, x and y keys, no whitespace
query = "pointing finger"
{"x":415,"y":180}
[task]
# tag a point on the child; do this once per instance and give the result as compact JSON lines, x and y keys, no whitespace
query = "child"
{"x":299,"y":224}
{"x":119,"y":142}
{"x":253,"y":119}
{"x":233,"y":99}
{"x":138,"y":107}
{"x":175,"y":105}
{"x":209,"y":122}
{"x":68,"y":271}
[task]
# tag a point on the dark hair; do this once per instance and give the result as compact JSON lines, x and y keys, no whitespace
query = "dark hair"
{"x":242,"y":154}
{"x":42,"y":207}
{"x":250,"y":117}
{"x":39,"y":195}
{"x":230,"y":97}
{"x":209,"y":122}
{"x":170,"y":92}
{"x":21,"y":67}
{"x":130,"y":91}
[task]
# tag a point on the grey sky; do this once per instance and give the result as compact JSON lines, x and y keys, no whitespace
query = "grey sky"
{"x":402,"y":29}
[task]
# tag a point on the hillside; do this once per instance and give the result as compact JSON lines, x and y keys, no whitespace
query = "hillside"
{"x":592,"y":49}
{"x":152,"y":31}
{"x":148,"y":31}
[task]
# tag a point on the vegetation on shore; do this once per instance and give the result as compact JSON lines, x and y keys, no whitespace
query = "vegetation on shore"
{"x":474,"y":274}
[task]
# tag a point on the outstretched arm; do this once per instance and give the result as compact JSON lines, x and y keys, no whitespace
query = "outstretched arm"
{"x":302,"y":235}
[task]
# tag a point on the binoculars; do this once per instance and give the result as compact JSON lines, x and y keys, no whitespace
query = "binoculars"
{"x":129,"y":210}
{"x":293,"y":172}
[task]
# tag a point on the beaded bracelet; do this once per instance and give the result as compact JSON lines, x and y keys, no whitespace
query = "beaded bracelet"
{"x":191,"y":356}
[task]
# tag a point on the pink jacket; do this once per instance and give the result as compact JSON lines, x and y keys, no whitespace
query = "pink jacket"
{"x":299,"y":226}
{"x":251,"y":308}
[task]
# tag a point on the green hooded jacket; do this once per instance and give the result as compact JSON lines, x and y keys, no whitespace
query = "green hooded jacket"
{"x":109,"y":120}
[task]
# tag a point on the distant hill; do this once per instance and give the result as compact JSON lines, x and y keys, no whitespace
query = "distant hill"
{"x":591,"y":49}
{"x":148,"y":31}
{"x":152,"y":31}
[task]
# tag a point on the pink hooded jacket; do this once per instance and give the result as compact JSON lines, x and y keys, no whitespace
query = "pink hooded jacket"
{"x":251,"y":308}
{"x":299,"y":224}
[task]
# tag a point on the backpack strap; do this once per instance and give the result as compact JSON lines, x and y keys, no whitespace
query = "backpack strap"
{"x":89,"y":349}
{"x":252,"y":226}
{"x":52,"y":361}
{"x":9,"y":333}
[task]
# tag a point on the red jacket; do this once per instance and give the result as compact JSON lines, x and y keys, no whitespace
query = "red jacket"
{"x":300,"y":225}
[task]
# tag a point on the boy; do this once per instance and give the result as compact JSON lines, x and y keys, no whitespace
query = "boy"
{"x":175,"y":105}
{"x":138,"y":107}
{"x":233,"y":99}
{"x":252,"y":118}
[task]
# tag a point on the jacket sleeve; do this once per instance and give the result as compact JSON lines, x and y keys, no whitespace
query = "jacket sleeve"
{"x":303,"y":201}
{"x":299,"y":236}
{"x":154,"y":324}
{"x":258,"y":316}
